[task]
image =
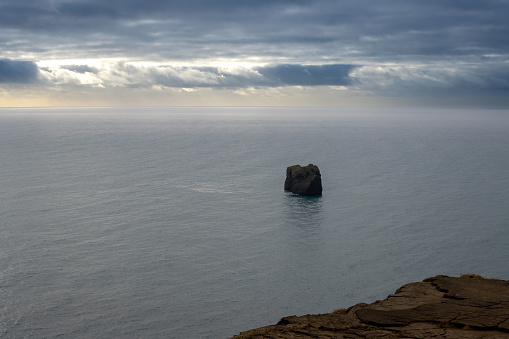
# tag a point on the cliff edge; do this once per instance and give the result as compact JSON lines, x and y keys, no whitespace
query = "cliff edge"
{"x":440,"y":307}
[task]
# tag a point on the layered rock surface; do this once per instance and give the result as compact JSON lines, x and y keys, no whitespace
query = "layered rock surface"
{"x":438,"y":307}
{"x":305,"y":180}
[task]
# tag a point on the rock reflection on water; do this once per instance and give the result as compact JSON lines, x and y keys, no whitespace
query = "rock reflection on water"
{"x":303,"y":212}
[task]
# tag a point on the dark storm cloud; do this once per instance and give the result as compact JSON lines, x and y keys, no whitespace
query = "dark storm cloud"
{"x":310,"y":75}
{"x":18,"y":72}
{"x":269,"y":76}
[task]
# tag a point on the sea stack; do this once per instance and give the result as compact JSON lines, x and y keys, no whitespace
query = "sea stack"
{"x":305,"y":180}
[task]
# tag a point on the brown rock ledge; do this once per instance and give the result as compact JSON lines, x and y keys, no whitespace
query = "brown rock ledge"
{"x":440,"y":307}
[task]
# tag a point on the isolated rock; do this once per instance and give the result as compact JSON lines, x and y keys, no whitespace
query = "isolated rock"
{"x":438,"y":307}
{"x":305,"y":180}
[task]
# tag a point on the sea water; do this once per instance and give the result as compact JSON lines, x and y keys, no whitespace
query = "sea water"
{"x":173,"y":222}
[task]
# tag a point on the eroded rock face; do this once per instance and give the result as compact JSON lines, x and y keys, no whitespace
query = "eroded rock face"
{"x":438,"y":307}
{"x":305,"y":180}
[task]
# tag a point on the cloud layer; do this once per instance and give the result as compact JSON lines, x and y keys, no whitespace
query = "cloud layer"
{"x":388,"y":48}
{"x":133,"y":75}
{"x":304,"y":29}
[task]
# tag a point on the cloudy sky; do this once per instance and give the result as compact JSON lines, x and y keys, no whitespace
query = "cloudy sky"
{"x":254,"y":52}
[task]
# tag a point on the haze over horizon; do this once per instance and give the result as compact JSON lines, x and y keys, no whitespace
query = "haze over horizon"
{"x":277,"y":52}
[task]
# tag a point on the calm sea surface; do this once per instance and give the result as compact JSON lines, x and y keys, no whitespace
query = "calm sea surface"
{"x":173,"y":222}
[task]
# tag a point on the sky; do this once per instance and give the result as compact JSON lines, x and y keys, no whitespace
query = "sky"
{"x":254,"y":52}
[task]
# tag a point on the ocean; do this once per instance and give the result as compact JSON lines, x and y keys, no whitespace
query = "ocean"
{"x":173,"y":222}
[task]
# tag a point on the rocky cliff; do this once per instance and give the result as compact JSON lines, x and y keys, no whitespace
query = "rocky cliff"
{"x":440,"y":307}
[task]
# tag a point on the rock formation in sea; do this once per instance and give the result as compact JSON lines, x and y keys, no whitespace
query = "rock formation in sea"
{"x":305,"y":180}
{"x":440,"y":307}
